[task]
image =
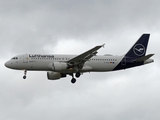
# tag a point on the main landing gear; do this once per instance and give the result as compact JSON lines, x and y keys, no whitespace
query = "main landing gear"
{"x":25,"y":72}
{"x":78,"y":74}
{"x":73,"y":80}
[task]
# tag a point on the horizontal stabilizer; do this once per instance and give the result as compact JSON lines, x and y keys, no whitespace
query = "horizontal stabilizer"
{"x":144,"y":58}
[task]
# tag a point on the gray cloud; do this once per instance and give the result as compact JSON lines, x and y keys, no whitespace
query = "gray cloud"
{"x":43,"y":26}
{"x":47,"y":22}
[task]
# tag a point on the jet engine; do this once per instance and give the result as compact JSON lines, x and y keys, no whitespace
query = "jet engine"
{"x":58,"y":66}
{"x":55,"y":75}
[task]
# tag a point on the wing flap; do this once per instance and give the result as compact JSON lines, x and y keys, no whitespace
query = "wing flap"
{"x":86,"y":55}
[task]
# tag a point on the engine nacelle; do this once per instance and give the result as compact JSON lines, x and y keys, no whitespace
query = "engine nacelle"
{"x":58,"y":66}
{"x":55,"y":75}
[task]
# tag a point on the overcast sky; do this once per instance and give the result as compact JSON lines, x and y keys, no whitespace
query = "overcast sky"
{"x":72,"y":27}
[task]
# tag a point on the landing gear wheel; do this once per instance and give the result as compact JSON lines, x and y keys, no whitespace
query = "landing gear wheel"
{"x":78,"y":74}
{"x":73,"y":80}
{"x":25,"y":72}
{"x":24,"y":77}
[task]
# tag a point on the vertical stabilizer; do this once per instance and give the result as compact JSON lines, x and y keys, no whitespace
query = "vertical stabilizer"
{"x":139,"y":48}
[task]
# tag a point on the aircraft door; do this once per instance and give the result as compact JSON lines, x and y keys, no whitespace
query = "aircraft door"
{"x":25,"y":58}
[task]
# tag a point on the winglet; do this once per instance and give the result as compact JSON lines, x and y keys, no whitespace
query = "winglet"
{"x":103,"y":45}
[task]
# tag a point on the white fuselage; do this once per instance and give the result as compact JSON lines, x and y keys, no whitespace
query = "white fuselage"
{"x":36,"y":62}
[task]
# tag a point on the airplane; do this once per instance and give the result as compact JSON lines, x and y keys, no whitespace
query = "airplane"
{"x":59,"y":66}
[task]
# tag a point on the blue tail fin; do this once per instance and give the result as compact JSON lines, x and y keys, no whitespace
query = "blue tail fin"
{"x":139,"y":48}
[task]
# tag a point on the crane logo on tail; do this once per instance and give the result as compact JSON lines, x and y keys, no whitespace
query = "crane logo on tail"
{"x":139,"y":49}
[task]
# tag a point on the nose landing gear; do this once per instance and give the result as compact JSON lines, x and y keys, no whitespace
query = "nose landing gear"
{"x":25,"y":72}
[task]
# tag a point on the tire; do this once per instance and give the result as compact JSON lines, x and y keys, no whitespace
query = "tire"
{"x":24,"y":77}
{"x":78,"y":74}
{"x":73,"y":80}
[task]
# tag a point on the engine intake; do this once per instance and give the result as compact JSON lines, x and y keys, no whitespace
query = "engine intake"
{"x":55,"y":75}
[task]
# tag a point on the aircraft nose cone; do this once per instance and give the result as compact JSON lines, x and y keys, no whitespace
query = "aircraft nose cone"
{"x":7,"y":64}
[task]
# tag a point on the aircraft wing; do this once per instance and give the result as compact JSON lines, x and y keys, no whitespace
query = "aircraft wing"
{"x":82,"y":58}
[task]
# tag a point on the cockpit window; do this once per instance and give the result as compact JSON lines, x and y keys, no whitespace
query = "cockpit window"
{"x":15,"y":58}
